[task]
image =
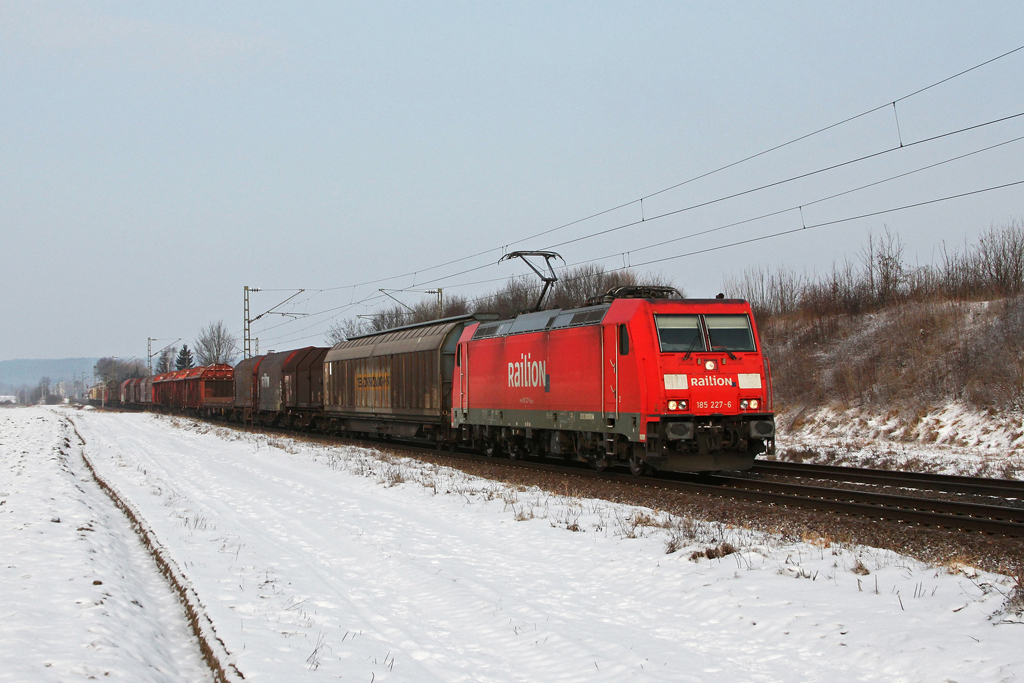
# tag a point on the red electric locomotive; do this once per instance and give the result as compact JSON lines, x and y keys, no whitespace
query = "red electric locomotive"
{"x":654,"y":382}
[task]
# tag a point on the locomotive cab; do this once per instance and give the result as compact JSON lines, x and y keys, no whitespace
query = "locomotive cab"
{"x":709,"y":390}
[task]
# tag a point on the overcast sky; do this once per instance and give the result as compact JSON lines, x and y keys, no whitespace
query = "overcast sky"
{"x":155,"y":157}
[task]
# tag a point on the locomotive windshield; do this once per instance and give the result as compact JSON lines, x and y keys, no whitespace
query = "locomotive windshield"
{"x":730,"y":332}
{"x":679,"y":333}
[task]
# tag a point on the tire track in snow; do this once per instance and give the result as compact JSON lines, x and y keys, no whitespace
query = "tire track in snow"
{"x":80,"y":598}
{"x":214,"y":651}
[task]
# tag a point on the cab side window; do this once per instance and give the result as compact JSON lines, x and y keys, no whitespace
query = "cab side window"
{"x":623,"y":341}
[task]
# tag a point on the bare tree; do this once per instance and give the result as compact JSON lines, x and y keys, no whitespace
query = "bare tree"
{"x":118,"y":368}
{"x":518,"y":295}
{"x":346,"y":329}
{"x":576,"y":286}
{"x":215,"y":345}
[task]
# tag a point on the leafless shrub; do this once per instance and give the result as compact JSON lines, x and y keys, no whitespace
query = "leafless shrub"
{"x":1015,"y":598}
{"x":883,"y":332}
{"x":860,"y":569}
{"x":523,"y":514}
{"x":393,"y":475}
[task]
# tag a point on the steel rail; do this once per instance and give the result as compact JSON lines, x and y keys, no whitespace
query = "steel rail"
{"x":990,"y":519}
{"x":896,"y":508}
{"x":974,"y":510}
{"x":1002,"y":488}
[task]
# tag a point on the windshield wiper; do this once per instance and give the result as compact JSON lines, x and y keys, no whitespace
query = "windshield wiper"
{"x":722,"y":348}
{"x":696,"y":338}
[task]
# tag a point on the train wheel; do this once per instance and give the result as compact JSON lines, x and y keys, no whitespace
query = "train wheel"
{"x":638,"y":467}
{"x":514,"y":452}
{"x":489,"y":449}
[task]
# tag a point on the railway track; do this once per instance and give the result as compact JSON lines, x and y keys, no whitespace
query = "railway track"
{"x":1001,"y":520}
{"x":993,"y":519}
{"x":996,"y":488}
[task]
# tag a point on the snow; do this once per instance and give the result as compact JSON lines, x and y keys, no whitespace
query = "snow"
{"x":316,"y":562}
{"x":947,"y":439}
{"x":81,"y":598}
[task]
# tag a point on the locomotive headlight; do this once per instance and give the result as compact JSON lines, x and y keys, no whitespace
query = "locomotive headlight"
{"x":743,"y":404}
{"x":754,"y":404}
{"x":709,"y":365}
{"x":672,"y":405}
{"x":682,"y":405}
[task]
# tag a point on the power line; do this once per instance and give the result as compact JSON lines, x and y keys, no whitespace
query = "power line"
{"x":769,"y":214}
{"x":687,"y":181}
{"x":827,"y":223}
{"x":800,"y":229}
{"x":786,"y":180}
{"x":689,"y":236}
{"x":738,"y":194}
{"x":676,"y":185}
{"x":796,"y":207}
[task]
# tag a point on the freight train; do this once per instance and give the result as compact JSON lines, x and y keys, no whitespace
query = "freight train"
{"x":638,"y":379}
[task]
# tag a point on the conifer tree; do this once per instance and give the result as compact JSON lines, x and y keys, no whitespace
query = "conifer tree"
{"x":184,"y":361}
{"x":165,"y":363}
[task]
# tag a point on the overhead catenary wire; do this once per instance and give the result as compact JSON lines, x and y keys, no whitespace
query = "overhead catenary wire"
{"x":803,"y":228}
{"x":762,"y":216}
{"x":834,"y":222}
{"x":363,"y":301}
{"x":692,"y":179}
{"x":784,"y":181}
{"x":746,"y":192}
{"x":728,"y":225}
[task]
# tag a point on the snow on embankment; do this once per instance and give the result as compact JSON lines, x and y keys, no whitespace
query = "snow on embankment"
{"x":951,"y":439}
{"x":81,"y":598}
{"x":327,"y":562}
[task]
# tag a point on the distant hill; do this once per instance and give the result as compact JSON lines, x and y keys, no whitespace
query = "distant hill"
{"x":14,"y":373}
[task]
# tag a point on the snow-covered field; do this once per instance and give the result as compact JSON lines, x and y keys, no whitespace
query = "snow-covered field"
{"x":949,"y":439}
{"x":345,"y":563}
{"x":80,"y":597}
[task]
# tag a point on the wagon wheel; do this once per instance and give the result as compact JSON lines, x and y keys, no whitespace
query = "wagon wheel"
{"x":514,"y":452}
{"x":489,"y":449}
{"x":637,"y":467}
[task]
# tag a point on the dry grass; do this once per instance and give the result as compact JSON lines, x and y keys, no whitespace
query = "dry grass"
{"x":715,"y":552}
{"x":1014,"y":603}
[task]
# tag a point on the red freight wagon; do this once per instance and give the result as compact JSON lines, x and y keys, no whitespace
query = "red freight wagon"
{"x":126,"y":391}
{"x":283,"y":388}
{"x":131,"y":391}
{"x":207,"y":388}
{"x":145,"y":390}
{"x":674,"y":384}
{"x":303,"y":377}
